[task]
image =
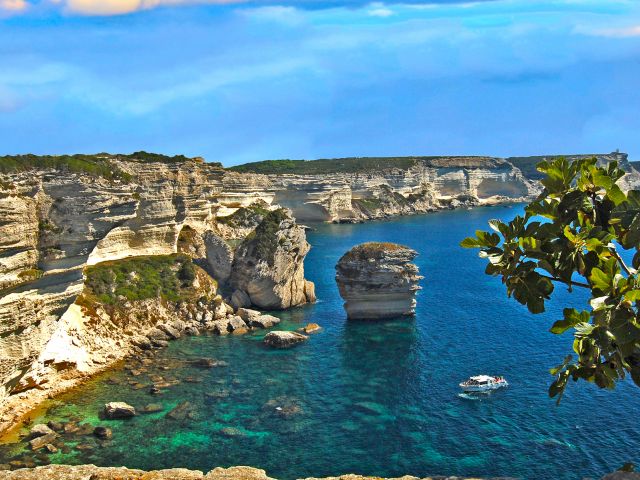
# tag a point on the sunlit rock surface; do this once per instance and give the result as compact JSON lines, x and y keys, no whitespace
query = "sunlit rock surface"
{"x":378,"y":280}
{"x":268,"y":267}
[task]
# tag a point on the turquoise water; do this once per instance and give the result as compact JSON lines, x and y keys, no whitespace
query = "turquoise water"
{"x":374,"y":398}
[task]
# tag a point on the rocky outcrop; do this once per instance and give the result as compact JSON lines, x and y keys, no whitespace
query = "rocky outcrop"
{"x":268,"y":268}
{"x":377,"y":280}
{"x":219,"y":256}
{"x":91,"y":472}
{"x":283,"y":339}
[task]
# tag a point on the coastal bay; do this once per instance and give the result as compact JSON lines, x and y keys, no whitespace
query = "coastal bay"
{"x":377,"y":398}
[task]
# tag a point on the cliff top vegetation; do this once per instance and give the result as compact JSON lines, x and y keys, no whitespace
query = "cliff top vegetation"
{"x":374,"y":250}
{"x":328,"y":165}
{"x":99,"y":164}
{"x":367,"y":164}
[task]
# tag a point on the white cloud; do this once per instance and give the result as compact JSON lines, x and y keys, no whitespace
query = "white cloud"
{"x":619,"y":32}
{"x":380,"y":10}
{"x":119,"y":7}
{"x":277,"y":13}
{"x":13,"y":5}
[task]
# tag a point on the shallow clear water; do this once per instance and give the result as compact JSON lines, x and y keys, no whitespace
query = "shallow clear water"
{"x":374,"y":398}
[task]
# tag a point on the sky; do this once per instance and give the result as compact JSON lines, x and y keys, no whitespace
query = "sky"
{"x":238,"y":81}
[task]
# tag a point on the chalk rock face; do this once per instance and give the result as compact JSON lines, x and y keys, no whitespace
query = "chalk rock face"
{"x":378,"y":280}
{"x":219,"y":257}
{"x":269,"y":264}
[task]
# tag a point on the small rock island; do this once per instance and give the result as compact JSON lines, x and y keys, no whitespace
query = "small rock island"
{"x":377,"y":280}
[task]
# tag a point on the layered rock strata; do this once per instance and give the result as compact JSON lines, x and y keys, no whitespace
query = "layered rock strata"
{"x":377,"y":280}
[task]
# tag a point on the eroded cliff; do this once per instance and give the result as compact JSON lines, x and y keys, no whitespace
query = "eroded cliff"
{"x":60,"y":222}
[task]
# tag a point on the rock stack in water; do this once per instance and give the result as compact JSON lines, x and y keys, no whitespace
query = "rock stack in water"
{"x":378,"y":280}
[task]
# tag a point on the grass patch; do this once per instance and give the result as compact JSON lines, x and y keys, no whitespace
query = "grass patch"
{"x":169,"y":277}
{"x":369,"y":204}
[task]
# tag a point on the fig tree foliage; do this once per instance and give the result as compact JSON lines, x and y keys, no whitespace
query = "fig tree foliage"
{"x":582,"y":231}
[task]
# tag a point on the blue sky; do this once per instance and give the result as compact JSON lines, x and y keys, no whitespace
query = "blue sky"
{"x":238,"y":81}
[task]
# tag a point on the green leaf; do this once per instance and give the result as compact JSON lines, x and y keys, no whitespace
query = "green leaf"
{"x":600,"y":280}
{"x":470,"y":242}
{"x":632,"y":295}
{"x":616,"y":195}
{"x":571,"y":318}
{"x":557,"y":369}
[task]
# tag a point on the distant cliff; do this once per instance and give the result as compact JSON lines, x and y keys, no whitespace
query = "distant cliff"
{"x":356,"y":189}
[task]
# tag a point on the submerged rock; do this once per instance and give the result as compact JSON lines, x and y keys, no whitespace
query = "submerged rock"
{"x":152,"y":408}
{"x":104,"y":433}
{"x":310,"y":328}
{"x":40,"y":430}
{"x":42,"y":441}
{"x":118,"y":410}
{"x":182,"y":411}
{"x":378,"y":280}
{"x":205,"y":363}
{"x":282,"y":339}
{"x":255,"y":319}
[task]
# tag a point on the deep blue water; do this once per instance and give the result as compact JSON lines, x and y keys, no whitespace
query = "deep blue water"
{"x":374,"y":397}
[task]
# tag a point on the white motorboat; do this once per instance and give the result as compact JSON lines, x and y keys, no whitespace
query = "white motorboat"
{"x":483,"y":383}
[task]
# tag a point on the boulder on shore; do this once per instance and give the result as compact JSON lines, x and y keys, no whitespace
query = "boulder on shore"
{"x":377,"y":280}
{"x":282,"y":339}
{"x":118,"y":410}
{"x":254,"y":318}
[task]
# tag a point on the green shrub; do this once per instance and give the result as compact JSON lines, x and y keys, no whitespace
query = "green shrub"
{"x":245,"y":216}
{"x":163,"y":276}
{"x":263,"y":241}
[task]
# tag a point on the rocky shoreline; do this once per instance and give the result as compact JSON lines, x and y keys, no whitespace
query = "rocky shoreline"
{"x":91,"y":472}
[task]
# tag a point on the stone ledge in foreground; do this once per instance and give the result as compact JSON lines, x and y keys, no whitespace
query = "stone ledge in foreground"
{"x":91,"y":472}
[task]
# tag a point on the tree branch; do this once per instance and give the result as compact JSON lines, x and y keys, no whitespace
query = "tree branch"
{"x":617,"y":256}
{"x":577,"y":284}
